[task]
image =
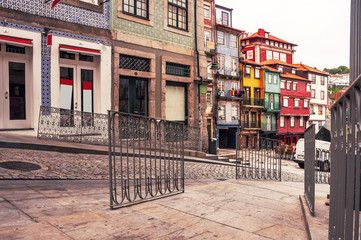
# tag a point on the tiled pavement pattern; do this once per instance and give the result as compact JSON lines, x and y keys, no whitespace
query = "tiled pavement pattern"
{"x":56,"y":165}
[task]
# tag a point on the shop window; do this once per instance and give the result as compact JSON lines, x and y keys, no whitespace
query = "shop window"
{"x":15,"y":49}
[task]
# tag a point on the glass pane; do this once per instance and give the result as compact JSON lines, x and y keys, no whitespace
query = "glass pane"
{"x":123,"y":95}
{"x":87,"y":96}
{"x":141,"y":97}
{"x":66,"y":97}
{"x":17,"y":91}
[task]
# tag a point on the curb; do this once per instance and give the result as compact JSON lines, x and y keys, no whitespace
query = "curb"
{"x":301,"y":198}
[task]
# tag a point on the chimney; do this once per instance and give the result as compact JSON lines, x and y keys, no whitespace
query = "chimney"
{"x":261,"y":32}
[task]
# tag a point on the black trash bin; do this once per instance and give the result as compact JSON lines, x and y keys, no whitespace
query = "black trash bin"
{"x":212,"y":146}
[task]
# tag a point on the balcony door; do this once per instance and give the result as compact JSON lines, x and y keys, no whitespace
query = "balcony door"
{"x":15,"y":92}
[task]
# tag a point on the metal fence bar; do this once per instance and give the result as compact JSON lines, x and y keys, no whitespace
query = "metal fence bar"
{"x":309,"y":179}
{"x":260,"y":158}
{"x":146,"y":158}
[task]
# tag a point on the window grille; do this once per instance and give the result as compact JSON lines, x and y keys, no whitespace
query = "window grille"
{"x":177,"y":69}
{"x":15,"y":49}
{"x":134,"y":63}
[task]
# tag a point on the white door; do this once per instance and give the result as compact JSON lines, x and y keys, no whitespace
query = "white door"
{"x":15,"y":92}
{"x":269,"y":123}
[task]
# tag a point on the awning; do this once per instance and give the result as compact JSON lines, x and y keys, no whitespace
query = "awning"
{"x":16,"y":41}
{"x":79,"y":50}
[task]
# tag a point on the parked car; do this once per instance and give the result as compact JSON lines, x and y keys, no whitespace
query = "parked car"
{"x":322,"y":154}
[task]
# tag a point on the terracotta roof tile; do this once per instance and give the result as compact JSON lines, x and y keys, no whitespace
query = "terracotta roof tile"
{"x":289,"y":75}
{"x":270,"y":37}
{"x":304,"y":67}
{"x":271,"y":69}
{"x":276,"y":61}
{"x":250,"y":62}
{"x":230,"y":28}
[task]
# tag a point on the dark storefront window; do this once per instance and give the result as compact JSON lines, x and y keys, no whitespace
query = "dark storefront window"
{"x":133,"y":95}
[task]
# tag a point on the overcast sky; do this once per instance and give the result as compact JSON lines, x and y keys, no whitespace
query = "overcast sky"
{"x":320,"y":28}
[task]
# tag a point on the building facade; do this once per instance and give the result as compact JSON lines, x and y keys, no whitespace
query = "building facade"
{"x":253,"y":97}
{"x":319,"y":94}
{"x":227,"y":78}
{"x":58,"y":57}
{"x":262,"y":46}
{"x":271,"y":102}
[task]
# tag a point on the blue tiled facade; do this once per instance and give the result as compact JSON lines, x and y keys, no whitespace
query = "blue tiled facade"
{"x":61,"y":12}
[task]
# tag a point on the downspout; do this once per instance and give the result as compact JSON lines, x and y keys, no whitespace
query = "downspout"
{"x":199,"y":77}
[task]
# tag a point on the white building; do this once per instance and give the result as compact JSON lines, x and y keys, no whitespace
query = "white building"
{"x":319,"y":94}
{"x":339,"y":80}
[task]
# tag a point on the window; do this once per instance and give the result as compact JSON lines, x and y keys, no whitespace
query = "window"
{"x":313,"y":93}
{"x":308,"y":87}
{"x":134,"y":63}
{"x":207,"y":37}
{"x":250,"y":54}
{"x":313,"y":78}
{"x":222,"y":112}
{"x":302,"y":122}
{"x":225,"y":18}
{"x":281,"y":45}
{"x":297,"y":103}
{"x":248,"y":71}
{"x":234,"y":112}
{"x":293,"y":71}
{"x":67,"y":55}
{"x":234,"y":86}
{"x":178,"y":14}
{"x":270,"y":78}
{"x":209,"y":99}
{"x":276,"y":55}
{"x":282,"y":121}
{"x":272,"y":43}
{"x":15,"y":49}
{"x":137,"y":8}
{"x":312,"y":109}
{"x":282,"y":84}
{"x":322,"y":80}
{"x":320,"y":110}
{"x":285,"y":46}
{"x":247,"y":42}
{"x":280,"y":68}
{"x":206,"y":11}
{"x":322,"y":95}
{"x":233,"y":41}
{"x":256,"y":73}
{"x":234,"y":66}
{"x":133,"y":95}
{"x":288,"y":86}
{"x":221,"y":63}
{"x":247,"y":92}
{"x":294,"y":87}
{"x":276,"y":44}
{"x":268,"y":55}
{"x":292,"y":122}
{"x":305,"y":104}
{"x":177,"y":69}
{"x":220,"y":37}
{"x":285,"y":101}
{"x":283,"y":57}
{"x":86,"y":58}
{"x":267,"y":42}
{"x":271,"y":101}
{"x":221,"y":86}
{"x":274,"y":79}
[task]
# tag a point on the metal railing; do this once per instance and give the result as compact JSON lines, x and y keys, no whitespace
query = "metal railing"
{"x":253,"y":101}
{"x":310,"y":156}
{"x":251,"y":124}
{"x":91,"y":128}
{"x":258,"y":158}
{"x":72,"y":126}
{"x":146,"y":158}
{"x":345,"y":191}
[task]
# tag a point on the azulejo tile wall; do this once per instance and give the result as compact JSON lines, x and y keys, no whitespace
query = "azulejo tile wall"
{"x":156,"y":32}
{"x":61,"y":11}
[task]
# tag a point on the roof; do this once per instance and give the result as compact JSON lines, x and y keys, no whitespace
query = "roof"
{"x":250,"y":62}
{"x":270,"y":69}
{"x":229,"y":28}
{"x":270,"y":37}
{"x":304,"y":67}
{"x":276,"y":61}
{"x":289,"y":75}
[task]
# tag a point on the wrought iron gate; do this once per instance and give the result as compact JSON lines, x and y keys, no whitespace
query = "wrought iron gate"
{"x":310,"y":167}
{"x":345,"y":171}
{"x":146,"y":158}
{"x":258,"y":158}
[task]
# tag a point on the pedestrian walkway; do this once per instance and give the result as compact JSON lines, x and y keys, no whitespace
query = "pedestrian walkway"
{"x":209,"y":209}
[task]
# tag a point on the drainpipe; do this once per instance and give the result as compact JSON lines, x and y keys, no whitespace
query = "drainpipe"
{"x":199,"y":77}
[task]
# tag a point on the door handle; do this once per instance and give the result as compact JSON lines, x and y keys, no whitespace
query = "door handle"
{"x":6,"y":95}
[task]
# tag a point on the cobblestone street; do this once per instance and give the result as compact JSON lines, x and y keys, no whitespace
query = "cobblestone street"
{"x":56,"y":165}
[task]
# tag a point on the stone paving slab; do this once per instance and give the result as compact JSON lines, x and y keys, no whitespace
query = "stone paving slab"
{"x":209,"y":209}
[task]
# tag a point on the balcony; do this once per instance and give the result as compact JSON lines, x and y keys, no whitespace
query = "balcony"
{"x":251,"y":124}
{"x":209,"y":48}
{"x":258,"y":102}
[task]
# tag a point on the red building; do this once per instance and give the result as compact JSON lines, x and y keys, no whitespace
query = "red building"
{"x":295,"y":98}
{"x":261,"y":46}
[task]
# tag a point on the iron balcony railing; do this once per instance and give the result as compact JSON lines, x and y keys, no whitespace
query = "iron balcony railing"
{"x":253,"y":102}
{"x":252,"y":124}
